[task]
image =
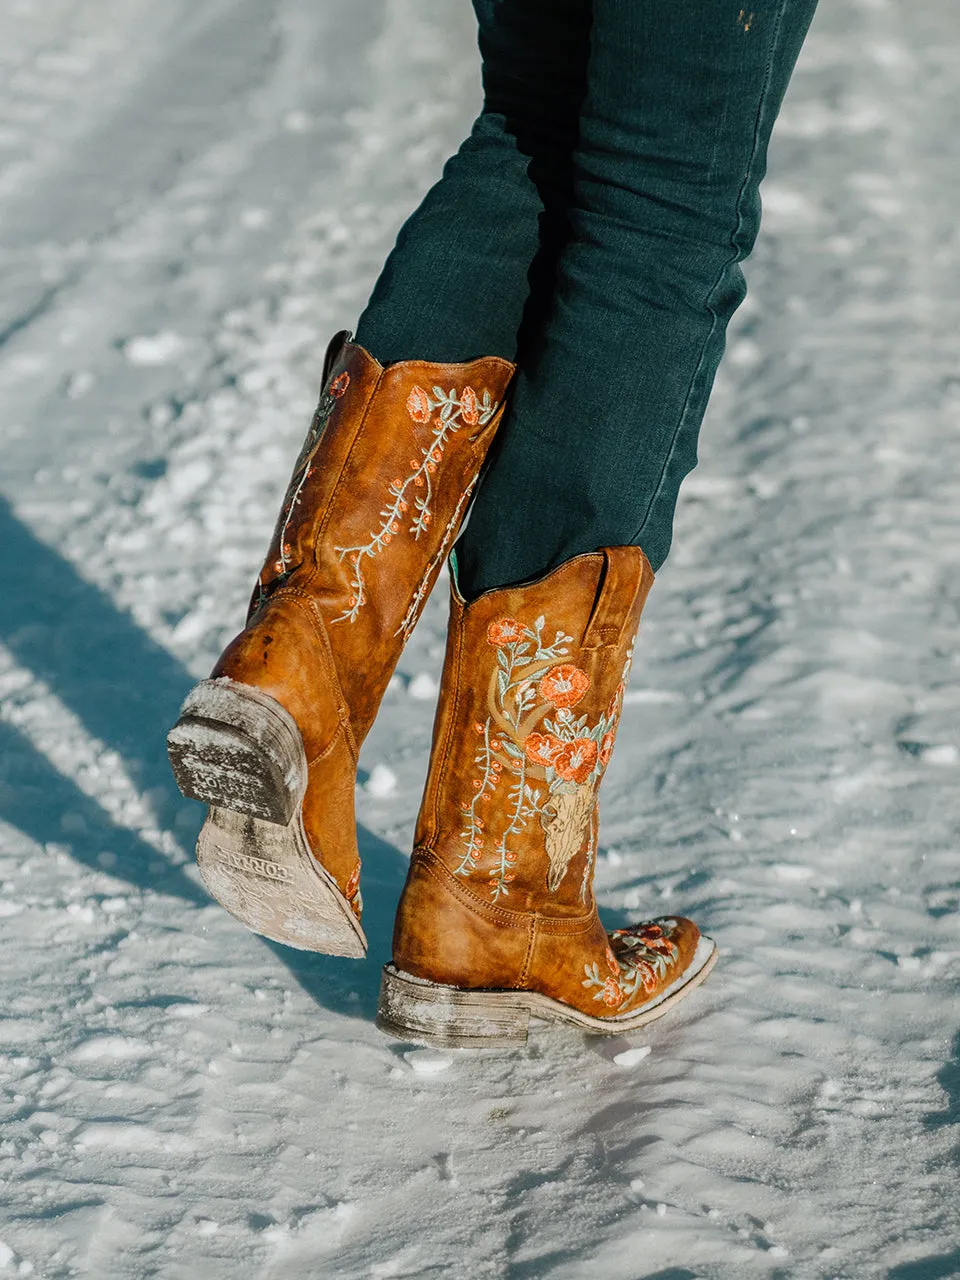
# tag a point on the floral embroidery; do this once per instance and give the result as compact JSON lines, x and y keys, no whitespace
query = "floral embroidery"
{"x":404,"y":502}
{"x":647,"y":952}
{"x":418,"y":405}
{"x":610,"y":995}
{"x":504,"y":631}
{"x":542,"y":748}
{"x":564,"y":686}
{"x":470,"y":407}
{"x":532,"y":735}
{"x":576,"y":761}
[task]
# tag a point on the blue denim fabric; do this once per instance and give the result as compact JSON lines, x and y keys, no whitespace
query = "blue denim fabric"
{"x":591,"y":228}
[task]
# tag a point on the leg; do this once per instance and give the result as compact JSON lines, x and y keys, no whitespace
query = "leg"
{"x":609,"y":398}
{"x":270,"y":742}
{"x":482,"y":248}
{"x":498,"y":921}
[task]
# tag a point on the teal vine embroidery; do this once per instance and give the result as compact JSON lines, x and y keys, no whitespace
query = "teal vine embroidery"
{"x":411,"y":498}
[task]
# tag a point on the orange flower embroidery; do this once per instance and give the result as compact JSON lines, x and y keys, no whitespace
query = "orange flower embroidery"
{"x":575,"y":761}
{"x":418,"y":406}
{"x":542,"y":748}
{"x":606,"y":748}
{"x":616,"y":703}
{"x":564,"y":686}
{"x":612,"y":963}
{"x":470,"y":409}
{"x":339,"y":385}
{"x":647,"y":975}
{"x":612,"y":995}
{"x":504,"y":631}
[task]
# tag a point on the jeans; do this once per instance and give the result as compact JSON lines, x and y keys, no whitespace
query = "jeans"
{"x":591,"y":229}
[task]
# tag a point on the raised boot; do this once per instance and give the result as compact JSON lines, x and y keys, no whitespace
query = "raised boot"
{"x":270,"y":741}
{"x":498,"y":922}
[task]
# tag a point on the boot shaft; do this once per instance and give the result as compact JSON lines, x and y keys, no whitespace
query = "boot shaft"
{"x":383,"y":475}
{"x":531,"y":698}
{"x":270,"y":743}
{"x":376,"y":497}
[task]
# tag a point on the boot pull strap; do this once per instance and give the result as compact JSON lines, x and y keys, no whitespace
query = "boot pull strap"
{"x":334,"y":347}
{"x":625,"y":580}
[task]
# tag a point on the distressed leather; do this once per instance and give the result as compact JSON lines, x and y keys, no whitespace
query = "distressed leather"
{"x":377,"y":496}
{"x":500,"y":888}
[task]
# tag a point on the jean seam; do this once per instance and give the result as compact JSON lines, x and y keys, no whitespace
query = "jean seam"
{"x":721,"y":275}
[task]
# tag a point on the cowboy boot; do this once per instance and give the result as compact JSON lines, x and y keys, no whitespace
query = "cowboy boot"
{"x":498,"y":922}
{"x":270,"y":741}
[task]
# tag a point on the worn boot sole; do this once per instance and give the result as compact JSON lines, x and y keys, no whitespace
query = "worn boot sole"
{"x":422,"y":1012}
{"x":237,"y":750}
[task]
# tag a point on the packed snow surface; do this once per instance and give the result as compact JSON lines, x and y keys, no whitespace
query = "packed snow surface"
{"x":193,"y":197}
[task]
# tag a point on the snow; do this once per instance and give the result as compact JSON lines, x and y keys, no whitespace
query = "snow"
{"x":424,"y":1062}
{"x":382,"y":781}
{"x":158,"y":348}
{"x":193,"y":197}
{"x":423,"y":687}
{"x":630,"y":1057}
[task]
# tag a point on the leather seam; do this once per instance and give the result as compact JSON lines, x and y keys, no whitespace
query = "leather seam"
{"x":437,"y":779}
{"x":425,"y":585}
{"x":306,"y":603}
{"x":432,"y":864}
{"x":561,"y":926}
{"x":528,"y":958}
{"x":322,"y":755}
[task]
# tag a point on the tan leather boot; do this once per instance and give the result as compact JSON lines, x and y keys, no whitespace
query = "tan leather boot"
{"x":270,"y":741}
{"x":497,"y":922}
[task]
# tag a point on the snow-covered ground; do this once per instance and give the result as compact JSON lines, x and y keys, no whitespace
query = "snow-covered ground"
{"x":193,"y":196}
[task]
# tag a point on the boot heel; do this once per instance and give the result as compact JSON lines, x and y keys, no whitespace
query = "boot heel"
{"x":429,"y":1013}
{"x":237,"y":748}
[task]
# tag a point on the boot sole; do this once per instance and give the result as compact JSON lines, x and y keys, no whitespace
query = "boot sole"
{"x":239,"y":751}
{"x":421,"y":1012}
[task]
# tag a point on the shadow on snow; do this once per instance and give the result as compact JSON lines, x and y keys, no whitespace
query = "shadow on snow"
{"x":949,"y":1078}
{"x":942,"y":1267}
{"x":127,"y":689}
